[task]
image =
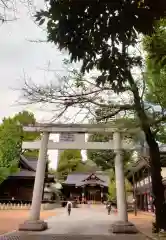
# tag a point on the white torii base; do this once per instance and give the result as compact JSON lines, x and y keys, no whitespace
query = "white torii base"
{"x":123,"y":227}
{"x":33,"y":225}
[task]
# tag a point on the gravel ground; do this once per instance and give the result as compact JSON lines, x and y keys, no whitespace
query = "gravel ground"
{"x":10,"y":219}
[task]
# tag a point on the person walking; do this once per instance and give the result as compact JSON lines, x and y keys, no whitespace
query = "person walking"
{"x":109,"y":207}
{"x":69,"y":206}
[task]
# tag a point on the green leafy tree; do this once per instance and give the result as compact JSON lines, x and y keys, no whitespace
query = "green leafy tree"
{"x":25,"y":118}
{"x":155,"y":47}
{"x":102,"y":158}
{"x":69,"y":161}
{"x":87,"y":166}
{"x":105,"y":158}
{"x":11,"y":137}
{"x":112,"y":187}
{"x":9,"y":148}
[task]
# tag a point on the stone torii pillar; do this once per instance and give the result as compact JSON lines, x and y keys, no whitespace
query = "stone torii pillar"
{"x":120,"y":180}
{"x":122,"y":225}
{"x":34,"y":223}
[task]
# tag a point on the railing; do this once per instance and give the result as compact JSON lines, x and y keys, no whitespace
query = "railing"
{"x":15,"y":201}
{"x":21,"y":201}
{"x":14,"y":206}
{"x":6,"y":204}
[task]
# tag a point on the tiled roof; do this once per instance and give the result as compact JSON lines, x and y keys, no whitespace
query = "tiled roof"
{"x":30,"y":164}
{"x":91,"y":183}
{"x":141,"y":162}
{"x":77,"y":178}
{"x":29,"y":170}
{"x":32,"y":161}
{"x":26,"y":173}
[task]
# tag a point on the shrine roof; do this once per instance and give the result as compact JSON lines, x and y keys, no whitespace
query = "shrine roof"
{"x":28,"y":168}
{"x":79,"y":179}
{"x":30,"y":162}
{"x":23,"y":173}
{"x":143,"y":161}
{"x":27,"y":174}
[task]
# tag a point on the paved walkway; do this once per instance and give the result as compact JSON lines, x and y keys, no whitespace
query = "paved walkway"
{"x":83,"y":224}
{"x":82,"y":221}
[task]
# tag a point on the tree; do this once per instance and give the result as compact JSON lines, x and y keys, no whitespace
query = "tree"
{"x":22,"y":119}
{"x":155,"y":47}
{"x":102,"y":35}
{"x":102,"y":158}
{"x":9,"y":148}
{"x":112,"y":188}
{"x":5,"y":171}
{"x":11,"y":137}
{"x":68,"y":162}
{"x":87,"y":166}
{"x":105,"y":158}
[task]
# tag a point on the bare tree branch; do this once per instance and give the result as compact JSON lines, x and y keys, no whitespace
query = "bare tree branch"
{"x":75,"y":91}
{"x":9,"y":9}
{"x":78,"y":95}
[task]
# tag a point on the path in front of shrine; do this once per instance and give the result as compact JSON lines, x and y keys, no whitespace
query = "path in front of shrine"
{"x":84,"y":223}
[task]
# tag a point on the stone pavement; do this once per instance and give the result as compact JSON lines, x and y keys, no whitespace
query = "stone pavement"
{"x":83,"y":224}
{"x":82,"y":221}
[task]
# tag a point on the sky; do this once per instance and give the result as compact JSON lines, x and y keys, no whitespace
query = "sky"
{"x":20,"y":57}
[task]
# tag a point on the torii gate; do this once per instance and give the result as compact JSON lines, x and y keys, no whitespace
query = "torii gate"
{"x":117,"y":144}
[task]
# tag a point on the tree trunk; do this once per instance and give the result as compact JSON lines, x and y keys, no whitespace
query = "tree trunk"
{"x":154,"y":152}
{"x":157,"y":185}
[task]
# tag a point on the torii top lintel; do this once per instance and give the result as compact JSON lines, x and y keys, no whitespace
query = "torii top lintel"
{"x":80,"y":128}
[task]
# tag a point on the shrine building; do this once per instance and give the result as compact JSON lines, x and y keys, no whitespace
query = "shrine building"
{"x":86,"y":187}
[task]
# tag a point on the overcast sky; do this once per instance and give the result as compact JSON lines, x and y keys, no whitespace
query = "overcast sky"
{"x":19,"y":57}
